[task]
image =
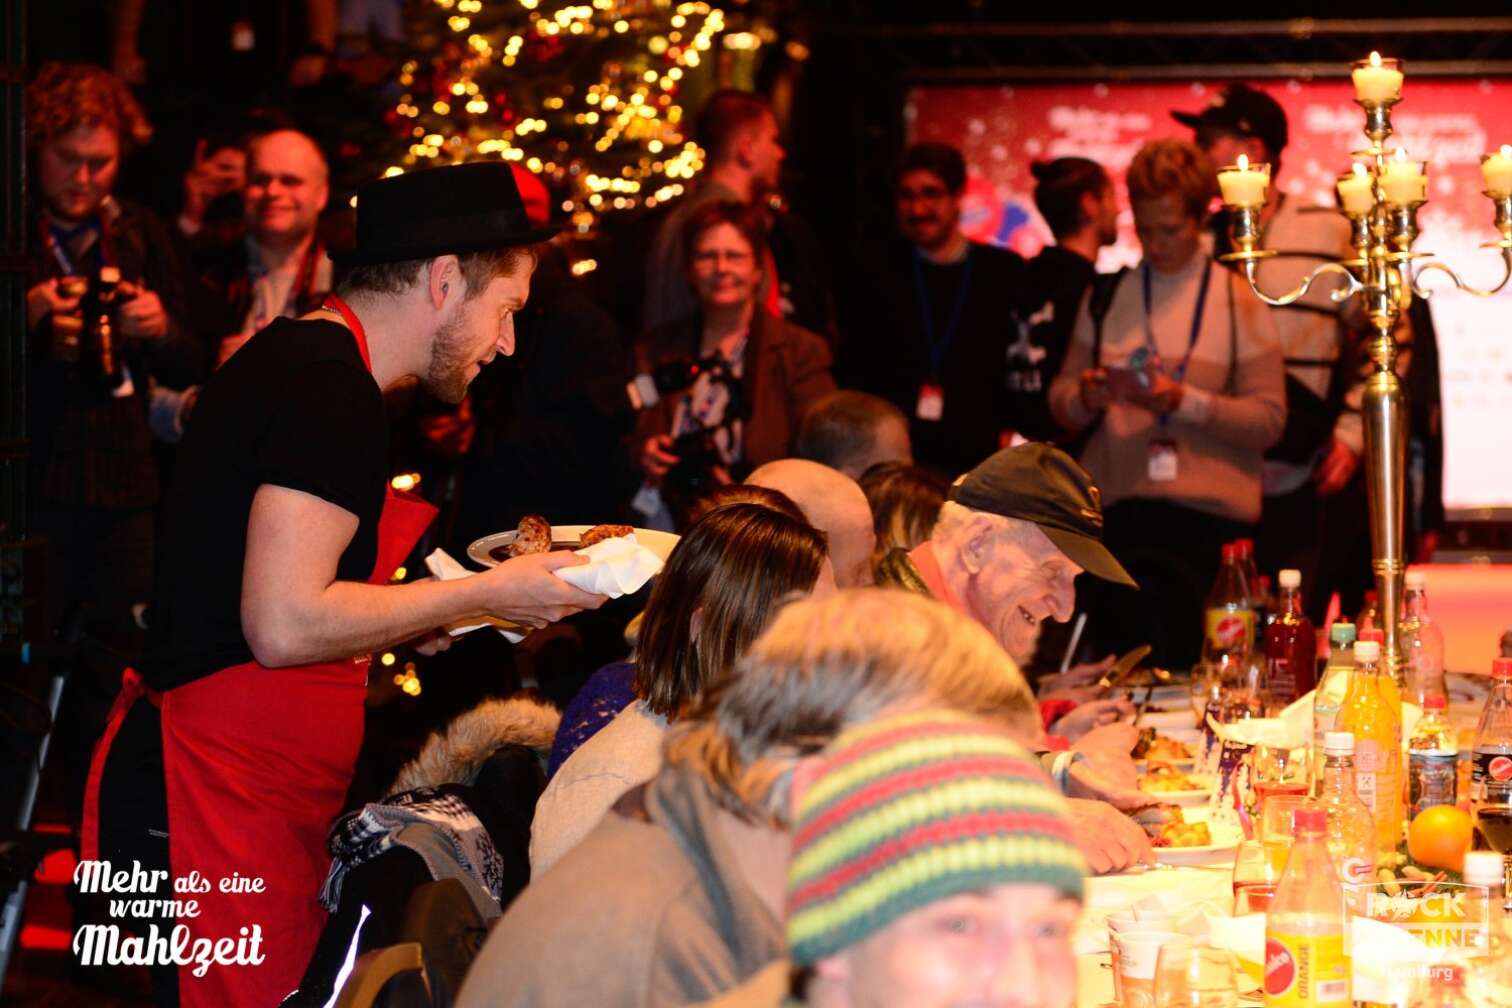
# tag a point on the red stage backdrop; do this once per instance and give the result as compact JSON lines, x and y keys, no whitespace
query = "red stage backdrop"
{"x":1451,"y":123}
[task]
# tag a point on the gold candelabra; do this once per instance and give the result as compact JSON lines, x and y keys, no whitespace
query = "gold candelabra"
{"x":1381,"y":198}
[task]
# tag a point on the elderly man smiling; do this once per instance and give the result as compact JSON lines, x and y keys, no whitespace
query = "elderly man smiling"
{"x":1006,"y":550}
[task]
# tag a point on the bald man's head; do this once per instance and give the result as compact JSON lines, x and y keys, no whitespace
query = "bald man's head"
{"x":834,"y":504}
{"x":287,"y":186}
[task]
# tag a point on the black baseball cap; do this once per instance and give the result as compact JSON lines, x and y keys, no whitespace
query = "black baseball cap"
{"x":1039,"y":483}
{"x":1245,"y":112}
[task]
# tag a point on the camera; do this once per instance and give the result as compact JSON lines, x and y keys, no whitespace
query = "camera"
{"x":88,"y":337}
{"x":698,"y":451}
{"x":647,"y":388}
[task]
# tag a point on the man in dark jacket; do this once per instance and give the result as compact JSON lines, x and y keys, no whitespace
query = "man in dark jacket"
{"x":91,"y":474}
{"x":938,"y":319}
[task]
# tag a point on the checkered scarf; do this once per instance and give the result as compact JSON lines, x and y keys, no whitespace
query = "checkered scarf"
{"x":359,"y":837}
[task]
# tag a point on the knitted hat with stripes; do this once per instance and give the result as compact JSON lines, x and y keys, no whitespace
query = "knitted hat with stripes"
{"x":909,"y":810}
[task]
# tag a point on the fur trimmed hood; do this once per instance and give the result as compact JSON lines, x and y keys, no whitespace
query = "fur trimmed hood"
{"x":454,"y":754}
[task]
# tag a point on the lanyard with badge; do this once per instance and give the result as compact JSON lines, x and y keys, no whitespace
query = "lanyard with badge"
{"x":931,"y":404}
{"x":1161,"y":464}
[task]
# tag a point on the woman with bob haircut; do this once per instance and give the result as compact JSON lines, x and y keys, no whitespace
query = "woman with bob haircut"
{"x":725,"y":578}
{"x":1181,"y":385}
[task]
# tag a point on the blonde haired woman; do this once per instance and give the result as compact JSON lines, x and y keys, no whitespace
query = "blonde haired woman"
{"x":1181,"y":385}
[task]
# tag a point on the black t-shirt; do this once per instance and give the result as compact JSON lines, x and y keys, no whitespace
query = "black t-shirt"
{"x":889,"y":354}
{"x":1058,"y":281}
{"x":296,"y":407}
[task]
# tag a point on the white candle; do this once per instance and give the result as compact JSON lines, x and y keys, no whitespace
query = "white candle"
{"x":1357,"y":191}
{"x":1497,"y":169}
{"x":1404,"y":181}
{"x":1244,"y":185}
{"x":1377,"y":80}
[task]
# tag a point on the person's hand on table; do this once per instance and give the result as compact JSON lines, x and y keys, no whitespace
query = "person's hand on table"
{"x":656,"y":456}
{"x":1108,"y":839}
{"x":1085,"y":674}
{"x":1090,"y":715}
{"x":525,"y":590}
{"x":1107,"y":749}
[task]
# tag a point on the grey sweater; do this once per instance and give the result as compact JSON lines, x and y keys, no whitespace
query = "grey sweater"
{"x":649,"y":910}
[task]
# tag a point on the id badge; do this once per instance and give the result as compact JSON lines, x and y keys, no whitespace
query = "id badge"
{"x":1161,"y":467}
{"x":931,"y":404}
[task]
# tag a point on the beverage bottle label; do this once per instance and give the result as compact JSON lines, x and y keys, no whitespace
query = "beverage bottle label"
{"x":1230,"y":629}
{"x":1432,"y":779}
{"x":1305,"y":971}
{"x":1368,"y":763}
{"x":1283,"y":684}
{"x":1488,"y":765}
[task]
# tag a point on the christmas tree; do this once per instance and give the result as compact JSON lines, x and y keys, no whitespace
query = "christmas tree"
{"x":588,"y":96}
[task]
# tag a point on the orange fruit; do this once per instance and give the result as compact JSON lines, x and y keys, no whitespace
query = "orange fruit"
{"x":1439,"y":837}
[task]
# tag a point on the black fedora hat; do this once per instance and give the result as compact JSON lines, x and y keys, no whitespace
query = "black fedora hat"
{"x":440,"y":211}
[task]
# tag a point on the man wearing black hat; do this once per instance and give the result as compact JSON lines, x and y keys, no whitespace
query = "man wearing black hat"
{"x":231,"y":751}
{"x":1321,"y":444}
{"x":1011,"y":538}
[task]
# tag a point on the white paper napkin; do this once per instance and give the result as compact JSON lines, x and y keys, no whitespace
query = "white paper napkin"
{"x":615,"y":567}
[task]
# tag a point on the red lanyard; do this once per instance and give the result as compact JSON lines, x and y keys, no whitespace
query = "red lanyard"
{"x":353,"y":323}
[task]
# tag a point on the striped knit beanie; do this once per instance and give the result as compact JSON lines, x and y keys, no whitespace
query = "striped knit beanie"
{"x":909,"y":810}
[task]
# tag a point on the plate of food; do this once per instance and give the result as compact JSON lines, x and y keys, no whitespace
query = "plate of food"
{"x":536,"y":535}
{"x":1186,"y":838}
{"x":1174,"y":784}
{"x":1154,"y":746}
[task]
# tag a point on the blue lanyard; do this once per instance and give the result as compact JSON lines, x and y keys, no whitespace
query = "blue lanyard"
{"x":1202,"y":291}
{"x":938,"y":347}
{"x":1179,"y":372}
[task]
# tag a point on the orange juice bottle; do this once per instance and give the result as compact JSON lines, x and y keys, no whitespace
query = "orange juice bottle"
{"x":1376,"y":723}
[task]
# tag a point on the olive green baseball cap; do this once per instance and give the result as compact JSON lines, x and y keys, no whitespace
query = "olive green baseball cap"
{"x":1039,"y":483}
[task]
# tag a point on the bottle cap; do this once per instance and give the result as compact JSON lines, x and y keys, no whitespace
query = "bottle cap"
{"x":1367,"y":651}
{"x":1338,"y":743}
{"x":1310,"y":819}
{"x":1372,"y":634}
{"x":1483,"y":868}
{"x":1417,"y":579}
{"x":1244,"y":547}
{"x":1230,"y":553}
{"x":1290,"y":579}
{"x":1342,"y":634}
{"x":1435,"y":701}
{"x":1501,"y":668}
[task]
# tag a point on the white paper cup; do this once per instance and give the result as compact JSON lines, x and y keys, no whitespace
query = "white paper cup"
{"x":1134,"y":954}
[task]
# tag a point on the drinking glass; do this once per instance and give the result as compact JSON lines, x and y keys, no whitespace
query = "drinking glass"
{"x":1493,"y":821}
{"x":1255,"y":876}
{"x":1206,"y":691}
{"x":1189,"y":975}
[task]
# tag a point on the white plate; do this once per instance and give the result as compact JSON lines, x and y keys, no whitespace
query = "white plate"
{"x":1185,"y":763}
{"x":1226,"y":837}
{"x":1196,"y":796}
{"x":1180,"y":718}
{"x":660,"y":543}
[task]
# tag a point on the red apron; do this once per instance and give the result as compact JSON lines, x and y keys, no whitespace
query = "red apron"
{"x":257,"y":764}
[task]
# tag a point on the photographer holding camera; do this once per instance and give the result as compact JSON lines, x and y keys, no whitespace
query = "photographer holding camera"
{"x":737,"y":378}
{"x":104,"y":309}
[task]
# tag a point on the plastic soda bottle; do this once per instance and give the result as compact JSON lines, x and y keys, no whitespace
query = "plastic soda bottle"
{"x":1351,"y":832}
{"x":1291,"y":645}
{"x":1432,"y":758}
{"x":1422,"y":642}
{"x":1329,"y":695}
{"x":1305,"y":962}
{"x":1493,"y":740}
{"x":1229,"y":622}
{"x":1376,"y":723}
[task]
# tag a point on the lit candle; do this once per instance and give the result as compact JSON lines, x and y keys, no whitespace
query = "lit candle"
{"x":1243,"y":184}
{"x":1497,"y":169}
{"x":1357,"y":191}
{"x":1404,"y":182}
{"x":1377,"y":80}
